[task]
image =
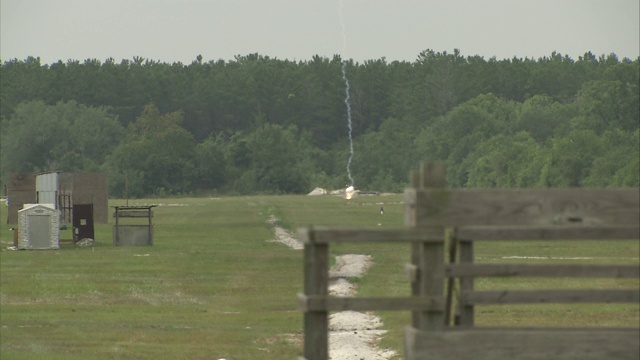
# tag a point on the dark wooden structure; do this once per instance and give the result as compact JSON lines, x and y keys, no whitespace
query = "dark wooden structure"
{"x":443,"y":327}
{"x":73,"y":188}
{"x":21,"y":189}
{"x":83,"y":227}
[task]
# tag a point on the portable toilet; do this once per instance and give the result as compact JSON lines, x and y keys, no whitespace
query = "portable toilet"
{"x":39,"y":227}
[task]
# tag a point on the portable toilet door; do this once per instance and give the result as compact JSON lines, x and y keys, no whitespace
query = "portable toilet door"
{"x":39,"y":227}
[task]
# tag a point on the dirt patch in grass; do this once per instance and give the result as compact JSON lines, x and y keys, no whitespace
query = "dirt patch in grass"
{"x":283,"y":236}
{"x":352,"y":334}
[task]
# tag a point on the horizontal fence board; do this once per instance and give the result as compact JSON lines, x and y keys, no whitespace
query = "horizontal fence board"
{"x":587,"y":206}
{"x":522,"y":344}
{"x":550,"y":232}
{"x":550,"y":296}
{"x":133,"y":214}
{"x":123,"y":226}
{"x":333,"y":303}
{"x":539,"y":270}
{"x":332,"y":235}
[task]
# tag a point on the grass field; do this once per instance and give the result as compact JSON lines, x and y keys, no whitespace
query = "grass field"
{"x":213,"y":287}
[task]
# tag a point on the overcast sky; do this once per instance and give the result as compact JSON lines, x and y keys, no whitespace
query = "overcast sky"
{"x":179,"y":30}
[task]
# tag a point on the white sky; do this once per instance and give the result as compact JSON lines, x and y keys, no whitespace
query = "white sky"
{"x":179,"y":30}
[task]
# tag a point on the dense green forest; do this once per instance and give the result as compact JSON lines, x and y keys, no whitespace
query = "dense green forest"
{"x":256,"y":124}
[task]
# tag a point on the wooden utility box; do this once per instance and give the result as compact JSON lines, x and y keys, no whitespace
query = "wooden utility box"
{"x":83,"y":227}
{"x":134,"y":225}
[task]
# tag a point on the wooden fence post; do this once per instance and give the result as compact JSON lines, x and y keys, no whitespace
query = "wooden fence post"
{"x":465,"y":312}
{"x":410,"y":216}
{"x":452,"y":241}
{"x":316,"y":282}
{"x":432,"y":283}
{"x":428,"y":258}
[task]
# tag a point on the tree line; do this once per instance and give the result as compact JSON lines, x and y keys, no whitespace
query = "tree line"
{"x":257,"y":124}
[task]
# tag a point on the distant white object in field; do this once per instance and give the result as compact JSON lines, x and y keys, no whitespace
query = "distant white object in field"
{"x":350,"y":192}
{"x":318,"y":191}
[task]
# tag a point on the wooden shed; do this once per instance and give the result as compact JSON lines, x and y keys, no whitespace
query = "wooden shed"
{"x":64,"y":190}
{"x":21,"y":189}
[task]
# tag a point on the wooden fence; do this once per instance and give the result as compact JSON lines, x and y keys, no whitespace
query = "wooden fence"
{"x":438,"y":331}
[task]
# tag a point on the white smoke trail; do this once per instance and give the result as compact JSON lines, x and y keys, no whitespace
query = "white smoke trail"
{"x":348,"y":103}
{"x":347,"y":97}
{"x":342,"y":27}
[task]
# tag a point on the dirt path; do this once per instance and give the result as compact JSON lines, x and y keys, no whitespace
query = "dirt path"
{"x":352,"y":335}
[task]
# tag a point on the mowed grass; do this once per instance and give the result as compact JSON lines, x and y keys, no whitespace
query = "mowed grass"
{"x":213,"y":287}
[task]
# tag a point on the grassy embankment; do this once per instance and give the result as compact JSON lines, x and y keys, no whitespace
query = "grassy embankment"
{"x":212,"y":286}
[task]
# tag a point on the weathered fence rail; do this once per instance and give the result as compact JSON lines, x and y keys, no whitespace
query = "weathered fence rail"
{"x":440,"y":331}
{"x":316,"y":303}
